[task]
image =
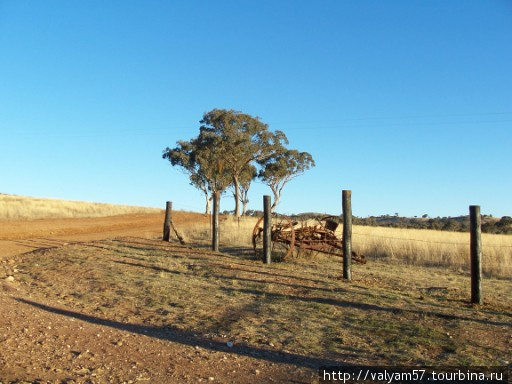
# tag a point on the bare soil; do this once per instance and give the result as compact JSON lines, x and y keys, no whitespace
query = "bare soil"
{"x":104,"y":300}
{"x":19,"y":236}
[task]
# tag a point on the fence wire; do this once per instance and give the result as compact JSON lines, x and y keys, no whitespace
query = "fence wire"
{"x":239,"y":230}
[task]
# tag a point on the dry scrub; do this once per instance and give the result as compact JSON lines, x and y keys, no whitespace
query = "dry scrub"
{"x":19,"y":207}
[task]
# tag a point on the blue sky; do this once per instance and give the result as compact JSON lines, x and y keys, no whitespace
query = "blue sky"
{"x":406,"y":103}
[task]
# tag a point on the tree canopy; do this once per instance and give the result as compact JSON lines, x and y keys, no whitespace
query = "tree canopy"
{"x":278,"y":170}
{"x":246,"y":140}
{"x":202,"y":159}
{"x":229,"y":147}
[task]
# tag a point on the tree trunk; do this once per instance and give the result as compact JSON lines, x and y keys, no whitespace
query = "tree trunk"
{"x":215,"y":221}
{"x":244,"y":199}
{"x":208,"y":203}
{"x":236,"y":185}
{"x":277,"y":196}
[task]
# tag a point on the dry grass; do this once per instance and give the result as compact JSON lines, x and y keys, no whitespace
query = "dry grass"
{"x":420,"y":247}
{"x":233,"y":232}
{"x":29,"y":208}
{"x":433,"y":248}
{"x":300,"y":311}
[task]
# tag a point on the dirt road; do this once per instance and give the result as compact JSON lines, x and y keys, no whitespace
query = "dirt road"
{"x":18,"y":237}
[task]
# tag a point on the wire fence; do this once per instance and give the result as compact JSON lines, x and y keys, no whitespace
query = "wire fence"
{"x":435,"y":247}
{"x":242,"y":229}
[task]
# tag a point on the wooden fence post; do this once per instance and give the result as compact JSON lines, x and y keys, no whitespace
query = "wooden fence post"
{"x":215,"y":222}
{"x":167,"y":221}
{"x":267,"y":224}
{"x":476,"y":254}
{"x":347,"y":234}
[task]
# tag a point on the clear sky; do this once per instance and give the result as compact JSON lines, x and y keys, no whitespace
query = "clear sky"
{"x":406,"y":103}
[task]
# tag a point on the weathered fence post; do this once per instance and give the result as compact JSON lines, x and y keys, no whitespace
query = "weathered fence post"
{"x":167,"y":221}
{"x":267,"y":224}
{"x":347,"y":234}
{"x":476,"y":254}
{"x":215,"y":222}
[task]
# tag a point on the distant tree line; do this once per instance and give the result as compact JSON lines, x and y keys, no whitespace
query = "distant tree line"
{"x":453,"y":224}
{"x":233,"y":149}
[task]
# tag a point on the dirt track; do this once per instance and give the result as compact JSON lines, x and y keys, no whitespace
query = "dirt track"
{"x":24,"y":236}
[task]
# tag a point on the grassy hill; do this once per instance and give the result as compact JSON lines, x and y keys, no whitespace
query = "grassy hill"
{"x":14,"y":207}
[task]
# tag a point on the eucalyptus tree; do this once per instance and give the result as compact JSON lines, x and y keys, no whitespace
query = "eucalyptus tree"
{"x":245,"y":140}
{"x":202,"y":159}
{"x":276,"y":171}
{"x":182,"y":156}
{"x":226,"y":152}
{"x":247,"y":176}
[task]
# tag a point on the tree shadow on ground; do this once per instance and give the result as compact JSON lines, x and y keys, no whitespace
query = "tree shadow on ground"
{"x":190,"y":338}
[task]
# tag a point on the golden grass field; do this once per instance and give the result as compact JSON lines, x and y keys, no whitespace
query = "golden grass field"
{"x":14,"y":207}
{"x":420,"y":247}
{"x":434,"y":248}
